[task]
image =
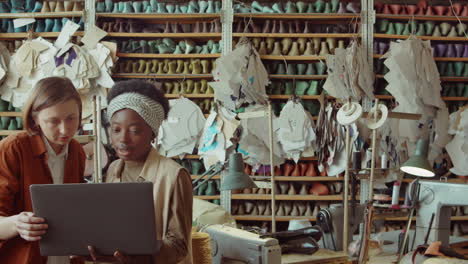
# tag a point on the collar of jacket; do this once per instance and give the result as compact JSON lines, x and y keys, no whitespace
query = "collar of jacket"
{"x":151,"y":165}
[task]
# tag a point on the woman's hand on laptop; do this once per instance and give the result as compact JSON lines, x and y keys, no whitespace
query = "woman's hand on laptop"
{"x":118,"y":257}
{"x":29,"y":226}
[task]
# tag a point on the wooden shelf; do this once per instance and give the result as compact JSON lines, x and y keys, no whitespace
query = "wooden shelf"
{"x":404,"y":218}
{"x":284,"y":197}
{"x":451,"y":180}
{"x":292,"y":58}
{"x":164,"y":35}
{"x":287,"y":178}
{"x":296,"y":77}
{"x":268,"y":218}
{"x":433,"y":18}
{"x":12,"y":114}
{"x":35,"y":34}
{"x":9,"y":132}
{"x":295,"y":35}
{"x":286,"y":97}
{"x":162,"y":76}
{"x":42,"y":15}
{"x":173,"y":96}
{"x":159,"y":16}
{"x":445,"y":98}
{"x":310,"y":218}
{"x":207,"y":197}
{"x":442,"y":78}
{"x":298,"y":16}
{"x":377,"y":56}
{"x":198,"y":157}
{"x":166,"y":56}
{"x":379,"y":35}
{"x":216,"y":177}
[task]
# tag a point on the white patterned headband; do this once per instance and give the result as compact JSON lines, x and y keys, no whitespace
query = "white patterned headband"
{"x":150,"y":110}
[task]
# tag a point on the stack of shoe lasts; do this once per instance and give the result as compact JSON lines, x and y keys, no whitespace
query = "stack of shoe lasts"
{"x":452,"y":69}
{"x":154,"y":6}
{"x":293,"y":27}
{"x":312,"y":68}
{"x":9,"y":123}
{"x":455,"y":89}
{"x":301,"y":241}
{"x":422,"y":9}
{"x":137,"y":26}
{"x":319,"y":6}
{"x":166,"y":66}
{"x":168,"y":46}
{"x":33,"y":6}
{"x":457,"y":50}
{"x":428,"y":28}
{"x":40,"y":25}
{"x":297,"y":47}
{"x":295,"y":87}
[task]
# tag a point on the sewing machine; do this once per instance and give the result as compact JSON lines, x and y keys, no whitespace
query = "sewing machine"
{"x":438,"y":198}
{"x":331,"y":221}
{"x":230,"y":244}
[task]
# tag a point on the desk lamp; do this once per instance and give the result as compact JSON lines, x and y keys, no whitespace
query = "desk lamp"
{"x":419,"y":166}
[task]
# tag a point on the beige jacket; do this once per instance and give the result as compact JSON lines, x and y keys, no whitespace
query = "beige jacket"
{"x":172,"y":203}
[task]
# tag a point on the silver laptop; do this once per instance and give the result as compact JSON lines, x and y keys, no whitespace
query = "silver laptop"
{"x":108,"y":216}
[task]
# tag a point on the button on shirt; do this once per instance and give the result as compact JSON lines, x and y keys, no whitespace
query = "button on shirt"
{"x":56,"y":164}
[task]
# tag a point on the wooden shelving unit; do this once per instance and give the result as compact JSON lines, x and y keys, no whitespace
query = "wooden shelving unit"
{"x":377,"y":56}
{"x":164,"y":35}
{"x":415,"y":17}
{"x":206,"y":76}
{"x":379,"y":35}
{"x":284,"y":197}
{"x":162,"y":76}
{"x":41,"y":15}
{"x":294,"y":35}
{"x":445,"y":98}
{"x":168,"y":56}
{"x":308,"y":16}
{"x":159,"y":16}
{"x":442,"y":78}
{"x":451,"y":180}
{"x":207,"y":197}
{"x":292,"y":58}
{"x":453,"y":218}
{"x":35,"y":34}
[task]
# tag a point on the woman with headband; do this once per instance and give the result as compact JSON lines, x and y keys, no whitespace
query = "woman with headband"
{"x":135,"y":111}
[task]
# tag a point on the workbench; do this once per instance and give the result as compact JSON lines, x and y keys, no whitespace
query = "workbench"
{"x":323,"y":256}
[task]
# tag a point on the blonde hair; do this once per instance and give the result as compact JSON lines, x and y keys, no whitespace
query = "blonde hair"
{"x":48,"y":92}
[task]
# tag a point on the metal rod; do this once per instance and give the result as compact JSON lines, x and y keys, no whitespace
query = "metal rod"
{"x":415,"y":195}
{"x":345,"y":199}
{"x":98,"y":139}
{"x":429,"y":230}
{"x":95,"y":142}
{"x":272,"y":170}
{"x":374,"y":138}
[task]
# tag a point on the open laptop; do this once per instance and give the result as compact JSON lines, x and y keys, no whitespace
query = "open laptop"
{"x":108,"y":216}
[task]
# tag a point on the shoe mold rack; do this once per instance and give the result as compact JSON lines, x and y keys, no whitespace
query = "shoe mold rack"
{"x":50,"y":17}
{"x":445,"y":25}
